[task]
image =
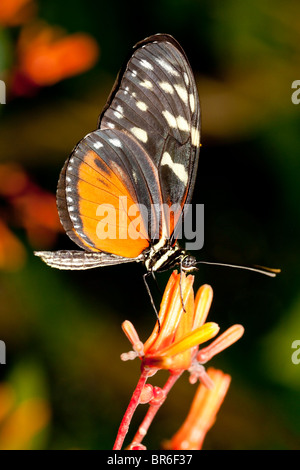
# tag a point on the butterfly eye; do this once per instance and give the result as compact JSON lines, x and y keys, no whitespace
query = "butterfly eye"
{"x":188,"y":263}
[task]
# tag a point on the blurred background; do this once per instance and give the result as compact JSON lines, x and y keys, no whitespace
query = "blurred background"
{"x":64,"y":385}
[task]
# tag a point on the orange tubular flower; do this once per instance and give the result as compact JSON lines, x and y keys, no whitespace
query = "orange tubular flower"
{"x":202,"y":414}
{"x":174,"y":344}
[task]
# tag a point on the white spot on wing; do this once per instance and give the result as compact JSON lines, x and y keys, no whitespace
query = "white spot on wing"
{"x":135,"y":177}
{"x":182,"y":93}
{"x":176,"y":123}
{"x":140,"y":134}
{"x":111,"y":125}
{"x":146,"y":64}
{"x":133,"y":73}
{"x":81,"y":234}
{"x":167,"y":67}
{"x":182,"y":124}
{"x":167,"y":87}
{"x":146,"y":84}
{"x":177,"y":168}
{"x":98,"y":145}
{"x":192,"y":102}
{"x":186,"y":79}
{"x":141,"y":105}
{"x":119,"y":112}
{"x":115,"y":142}
{"x":195,"y":137}
{"x":171,"y":120}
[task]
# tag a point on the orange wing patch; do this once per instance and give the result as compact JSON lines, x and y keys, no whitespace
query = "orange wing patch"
{"x":109,"y":215}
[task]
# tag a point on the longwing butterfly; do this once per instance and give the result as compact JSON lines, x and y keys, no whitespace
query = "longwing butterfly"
{"x":146,"y":149}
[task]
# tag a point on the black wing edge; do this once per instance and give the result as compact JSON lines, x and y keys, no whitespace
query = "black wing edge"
{"x":78,"y":260}
{"x":160,"y":37}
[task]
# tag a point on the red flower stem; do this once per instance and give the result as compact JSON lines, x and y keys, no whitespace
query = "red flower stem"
{"x":124,"y":426}
{"x":153,"y":409}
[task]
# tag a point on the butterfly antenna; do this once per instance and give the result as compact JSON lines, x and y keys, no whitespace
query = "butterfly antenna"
{"x":257,"y":269}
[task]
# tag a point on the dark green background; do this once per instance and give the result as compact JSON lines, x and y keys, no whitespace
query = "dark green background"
{"x":62,"y":329}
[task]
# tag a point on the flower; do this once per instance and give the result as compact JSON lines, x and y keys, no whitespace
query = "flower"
{"x":47,"y":55}
{"x":202,"y":413}
{"x":21,"y":422}
{"x":174,"y":342}
{"x":24,"y":204}
{"x":16,"y":12}
{"x":12,"y":252}
{"x":174,"y":345}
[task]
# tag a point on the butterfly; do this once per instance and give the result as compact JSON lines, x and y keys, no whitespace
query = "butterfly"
{"x":145,"y":149}
{"x":144,"y":154}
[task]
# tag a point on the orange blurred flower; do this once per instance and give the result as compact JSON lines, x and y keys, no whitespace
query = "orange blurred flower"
{"x":16,"y":12}
{"x":29,"y":207}
{"x":20,"y":423}
{"x":13,"y":180}
{"x":36,"y":211}
{"x":202,"y":413}
{"x":12,"y":252}
{"x":47,"y":55}
{"x":7,"y":398}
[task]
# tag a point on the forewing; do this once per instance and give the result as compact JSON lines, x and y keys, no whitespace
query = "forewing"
{"x":155,"y":100}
